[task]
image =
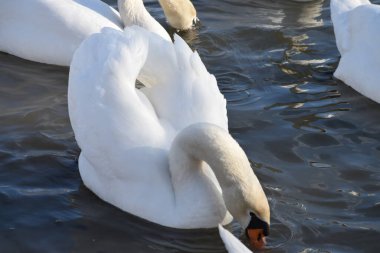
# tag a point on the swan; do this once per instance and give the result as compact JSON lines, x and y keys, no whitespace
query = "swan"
{"x":49,"y":31}
{"x":356,"y":27}
{"x":162,"y":152}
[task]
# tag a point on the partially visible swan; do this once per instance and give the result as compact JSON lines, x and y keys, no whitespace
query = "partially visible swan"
{"x":180,"y":14}
{"x":356,"y":27}
{"x":162,"y":153}
{"x":49,"y":31}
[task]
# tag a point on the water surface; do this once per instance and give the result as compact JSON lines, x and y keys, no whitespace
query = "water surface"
{"x":313,"y":141}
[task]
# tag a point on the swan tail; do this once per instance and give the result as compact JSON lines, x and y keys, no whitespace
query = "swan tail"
{"x":232,"y":244}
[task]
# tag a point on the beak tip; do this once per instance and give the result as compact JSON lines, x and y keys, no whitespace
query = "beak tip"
{"x":256,"y":238}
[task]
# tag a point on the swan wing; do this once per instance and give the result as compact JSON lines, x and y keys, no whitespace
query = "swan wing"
{"x":356,"y":26}
{"x":180,"y":88}
{"x":109,"y":116}
{"x":233,"y":245}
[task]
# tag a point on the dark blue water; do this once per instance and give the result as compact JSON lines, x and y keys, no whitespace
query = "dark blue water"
{"x":313,"y":141}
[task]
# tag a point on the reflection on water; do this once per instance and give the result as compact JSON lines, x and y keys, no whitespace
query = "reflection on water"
{"x":313,"y":142}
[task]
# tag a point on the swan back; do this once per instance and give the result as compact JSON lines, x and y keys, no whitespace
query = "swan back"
{"x":356,"y":26}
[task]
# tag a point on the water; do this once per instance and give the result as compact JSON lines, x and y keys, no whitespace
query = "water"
{"x":313,"y":141}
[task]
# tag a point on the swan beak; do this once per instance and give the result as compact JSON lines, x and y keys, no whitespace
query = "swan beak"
{"x":195,"y":21}
{"x":256,"y":238}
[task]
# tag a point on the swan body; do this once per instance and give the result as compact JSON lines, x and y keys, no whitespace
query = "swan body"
{"x":103,"y":94}
{"x":163,"y":152}
{"x":356,"y":27}
{"x":49,"y":31}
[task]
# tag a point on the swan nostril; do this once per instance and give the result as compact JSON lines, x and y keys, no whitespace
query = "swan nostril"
{"x":259,"y":237}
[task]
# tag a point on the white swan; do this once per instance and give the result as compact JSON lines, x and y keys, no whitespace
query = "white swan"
{"x":162,"y":153}
{"x":49,"y":31}
{"x":356,"y":27}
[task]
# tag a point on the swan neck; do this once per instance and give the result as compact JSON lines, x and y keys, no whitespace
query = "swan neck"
{"x":132,"y":11}
{"x":215,"y":146}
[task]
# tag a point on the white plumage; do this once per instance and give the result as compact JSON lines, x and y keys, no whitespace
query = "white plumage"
{"x":49,"y":31}
{"x":125,"y":133}
{"x":356,"y":26}
{"x":163,"y":152}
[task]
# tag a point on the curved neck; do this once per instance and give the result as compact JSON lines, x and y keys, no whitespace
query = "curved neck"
{"x":213,"y":145}
{"x":133,"y":12}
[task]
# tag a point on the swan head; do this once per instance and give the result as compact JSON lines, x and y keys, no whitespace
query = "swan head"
{"x":253,"y":215}
{"x":256,"y":231}
{"x":248,"y":204}
{"x":180,"y":14}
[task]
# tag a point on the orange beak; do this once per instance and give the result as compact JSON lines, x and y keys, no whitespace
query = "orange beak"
{"x":256,"y":238}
